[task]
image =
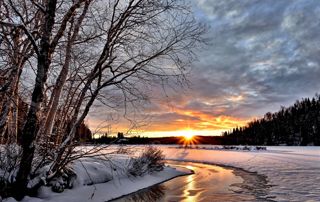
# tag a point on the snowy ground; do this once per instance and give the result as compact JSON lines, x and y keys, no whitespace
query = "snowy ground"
{"x":294,"y":172}
{"x":109,"y":190}
{"x":110,"y":180}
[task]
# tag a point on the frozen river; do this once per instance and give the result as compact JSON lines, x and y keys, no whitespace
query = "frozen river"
{"x":208,"y":183}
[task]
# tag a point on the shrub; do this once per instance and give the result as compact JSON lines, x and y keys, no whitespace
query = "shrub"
{"x":150,"y":160}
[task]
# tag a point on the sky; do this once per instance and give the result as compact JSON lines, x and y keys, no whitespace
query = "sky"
{"x":261,"y":55}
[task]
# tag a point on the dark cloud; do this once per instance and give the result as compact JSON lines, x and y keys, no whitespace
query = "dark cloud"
{"x":266,"y":51}
{"x":262,"y":55}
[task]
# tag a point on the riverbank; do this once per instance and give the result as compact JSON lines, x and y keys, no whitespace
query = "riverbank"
{"x":208,"y":183}
{"x":100,"y":181}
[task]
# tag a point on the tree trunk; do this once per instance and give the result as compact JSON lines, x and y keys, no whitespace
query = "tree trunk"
{"x":8,"y":116}
{"x":9,"y":112}
{"x":31,"y":127}
{"x":54,"y":101}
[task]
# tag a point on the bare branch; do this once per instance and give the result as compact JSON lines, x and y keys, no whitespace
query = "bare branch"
{"x":39,"y":6}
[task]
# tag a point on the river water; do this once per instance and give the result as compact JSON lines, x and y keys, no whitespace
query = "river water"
{"x":208,"y":183}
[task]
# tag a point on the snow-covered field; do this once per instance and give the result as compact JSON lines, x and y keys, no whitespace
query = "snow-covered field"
{"x":293,"y":172}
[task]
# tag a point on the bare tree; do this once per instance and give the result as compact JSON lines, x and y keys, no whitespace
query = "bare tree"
{"x":15,"y":50}
{"x":44,"y":51}
{"x":91,"y":51}
{"x":137,"y":37}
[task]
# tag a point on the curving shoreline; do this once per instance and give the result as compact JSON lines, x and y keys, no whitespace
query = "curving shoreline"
{"x":293,"y":173}
{"x":207,"y":183}
{"x":189,"y":172}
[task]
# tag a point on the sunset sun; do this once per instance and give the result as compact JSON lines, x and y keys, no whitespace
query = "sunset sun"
{"x":188,"y":135}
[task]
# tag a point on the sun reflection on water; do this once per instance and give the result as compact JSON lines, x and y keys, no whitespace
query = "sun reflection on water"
{"x":190,"y":193}
{"x":208,"y":183}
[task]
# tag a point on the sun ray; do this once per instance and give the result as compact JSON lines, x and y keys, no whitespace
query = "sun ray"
{"x":188,"y":137}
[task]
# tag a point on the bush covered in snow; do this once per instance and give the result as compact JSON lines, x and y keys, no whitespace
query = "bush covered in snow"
{"x":91,"y":170}
{"x":63,"y":180}
{"x":150,"y":160}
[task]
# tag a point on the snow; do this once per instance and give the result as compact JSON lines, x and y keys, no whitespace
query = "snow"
{"x":99,"y":180}
{"x":115,"y":188}
{"x":294,"y":172}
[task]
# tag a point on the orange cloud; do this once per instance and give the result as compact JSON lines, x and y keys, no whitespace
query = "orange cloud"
{"x":173,"y":121}
{"x":197,"y":121}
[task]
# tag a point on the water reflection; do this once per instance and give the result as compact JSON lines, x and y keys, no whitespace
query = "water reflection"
{"x":152,"y":194}
{"x":208,"y":183}
{"x":190,"y":193}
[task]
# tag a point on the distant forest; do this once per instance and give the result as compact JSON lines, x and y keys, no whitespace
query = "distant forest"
{"x":295,"y":125}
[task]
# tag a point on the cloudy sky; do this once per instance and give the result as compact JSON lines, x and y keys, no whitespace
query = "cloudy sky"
{"x":262,"y":54}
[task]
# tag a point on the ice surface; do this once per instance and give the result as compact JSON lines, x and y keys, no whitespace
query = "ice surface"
{"x":294,"y":172}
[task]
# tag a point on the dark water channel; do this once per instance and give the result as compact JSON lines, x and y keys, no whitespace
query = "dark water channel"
{"x":208,"y":183}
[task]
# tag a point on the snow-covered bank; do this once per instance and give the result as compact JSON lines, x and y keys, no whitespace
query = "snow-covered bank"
{"x":99,"y":180}
{"x":115,"y":188}
{"x":294,"y":172}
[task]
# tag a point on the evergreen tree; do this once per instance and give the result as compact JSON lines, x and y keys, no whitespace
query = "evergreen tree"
{"x":298,"y":124}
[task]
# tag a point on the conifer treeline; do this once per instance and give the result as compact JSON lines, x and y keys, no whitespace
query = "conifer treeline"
{"x":295,"y":125}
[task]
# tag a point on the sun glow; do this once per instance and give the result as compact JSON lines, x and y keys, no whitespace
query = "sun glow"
{"x":188,"y":135}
